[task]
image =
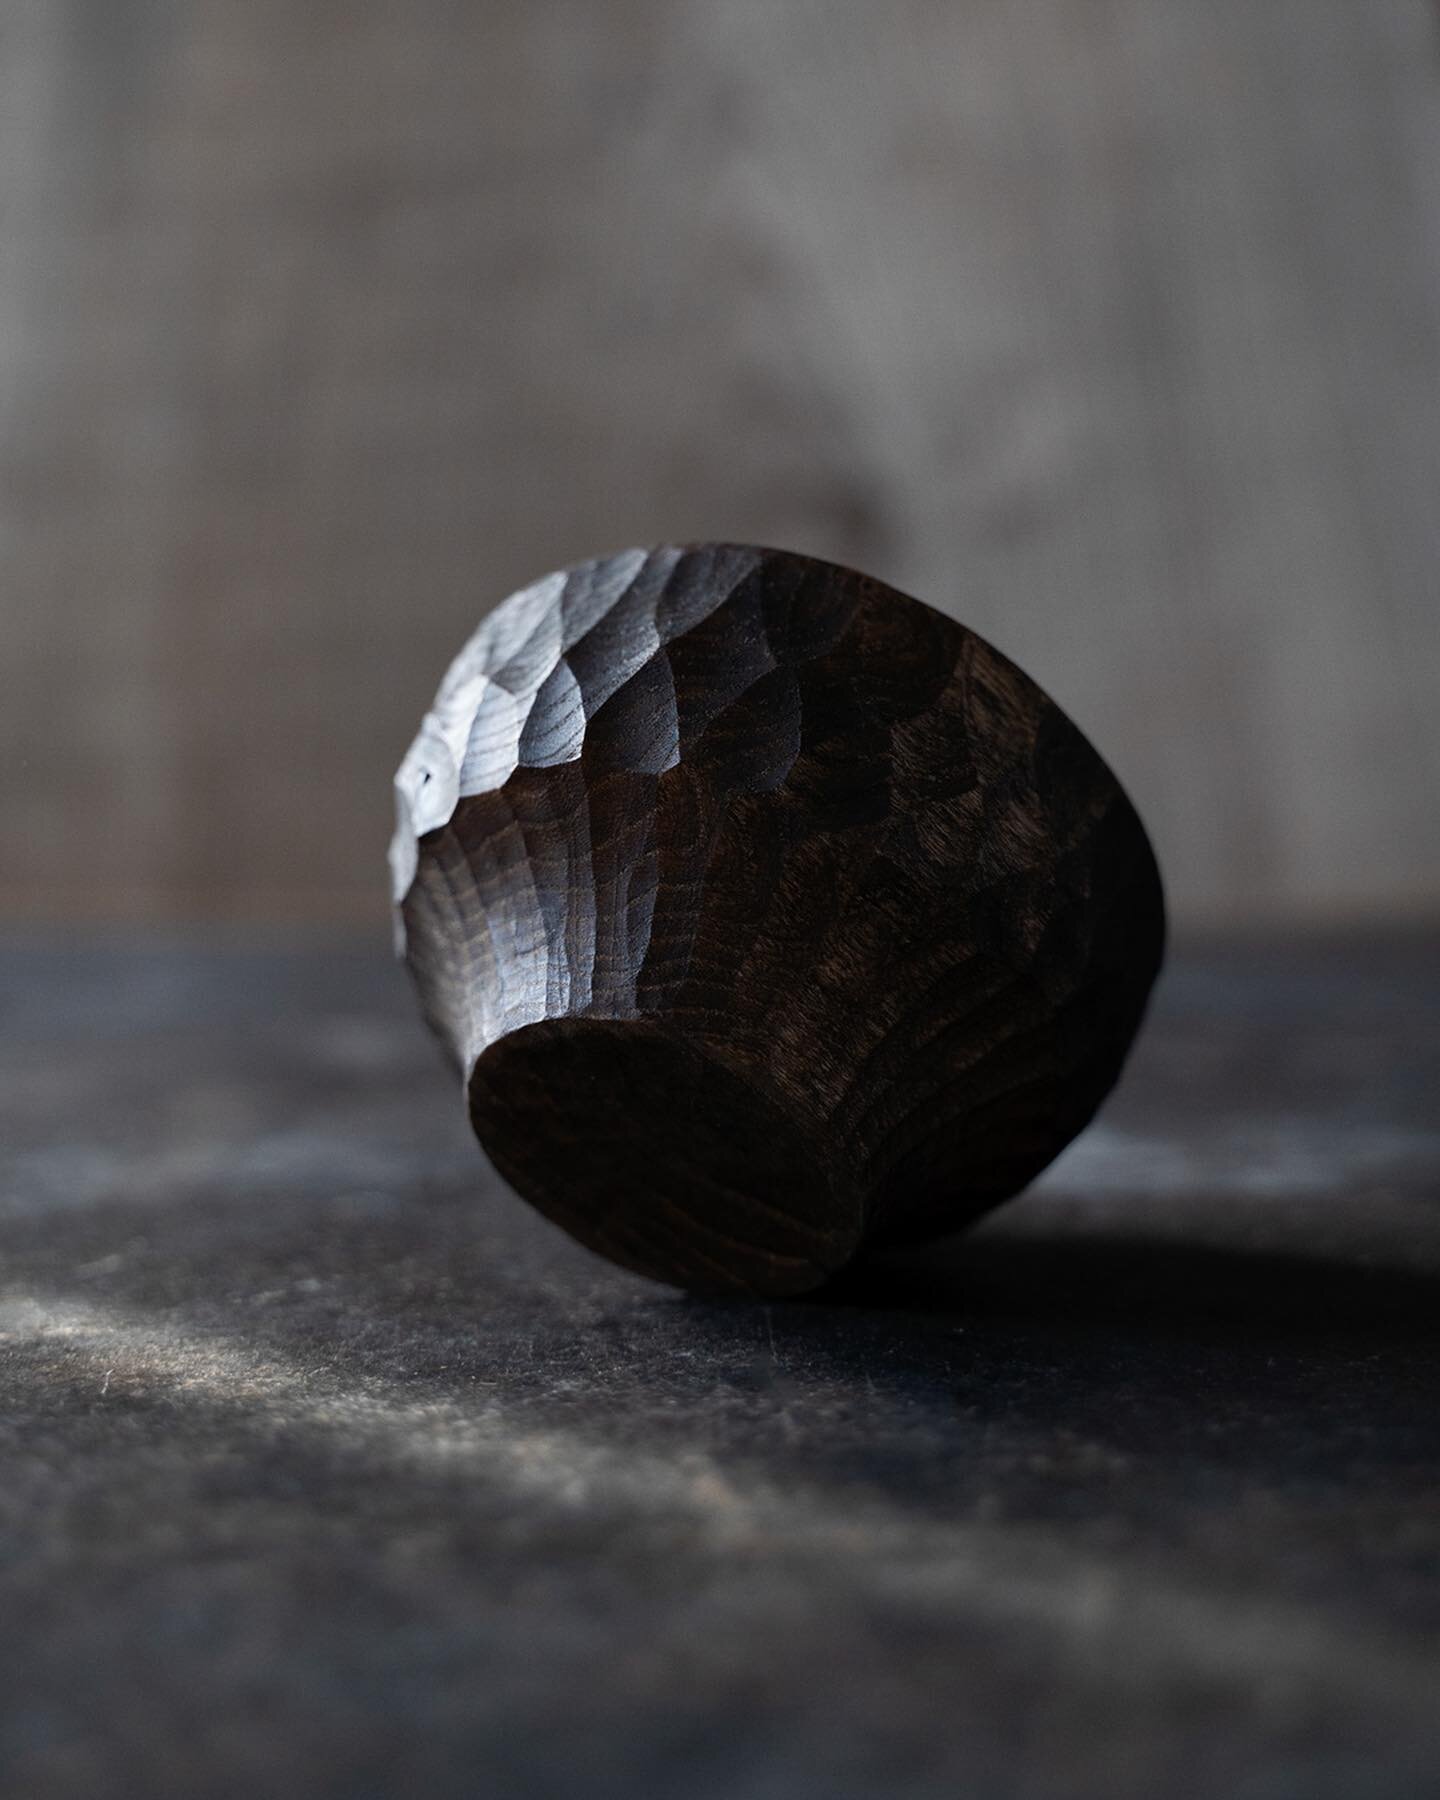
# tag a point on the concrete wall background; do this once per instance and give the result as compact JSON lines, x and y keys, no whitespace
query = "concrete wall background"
{"x":1111,"y":326}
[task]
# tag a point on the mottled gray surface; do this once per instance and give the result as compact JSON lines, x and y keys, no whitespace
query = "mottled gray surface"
{"x":330,"y":1469}
{"x":1111,"y":327}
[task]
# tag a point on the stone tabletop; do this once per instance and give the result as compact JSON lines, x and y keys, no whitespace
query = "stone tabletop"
{"x":328,"y":1468}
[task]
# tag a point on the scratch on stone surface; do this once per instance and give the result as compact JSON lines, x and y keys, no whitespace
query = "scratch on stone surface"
{"x":1145,"y":1620}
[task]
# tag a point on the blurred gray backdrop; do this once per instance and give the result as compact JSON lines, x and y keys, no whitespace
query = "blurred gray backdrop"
{"x":1110,"y":326}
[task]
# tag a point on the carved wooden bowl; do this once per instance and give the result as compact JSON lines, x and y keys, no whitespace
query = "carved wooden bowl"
{"x":767,"y":914}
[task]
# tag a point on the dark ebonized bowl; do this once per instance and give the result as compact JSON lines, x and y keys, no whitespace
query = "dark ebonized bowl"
{"x":766,"y":913}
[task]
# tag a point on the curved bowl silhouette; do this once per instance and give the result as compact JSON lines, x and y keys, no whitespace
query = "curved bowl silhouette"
{"x":765,"y":912}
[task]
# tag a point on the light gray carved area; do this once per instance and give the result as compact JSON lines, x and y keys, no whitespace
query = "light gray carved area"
{"x":1111,"y":326}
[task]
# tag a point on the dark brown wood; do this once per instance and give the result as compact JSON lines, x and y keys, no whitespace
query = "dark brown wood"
{"x":765,"y":912}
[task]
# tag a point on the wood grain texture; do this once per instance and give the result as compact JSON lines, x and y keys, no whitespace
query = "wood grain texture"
{"x":765,"y":912}
{"x":1109,"y":326}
